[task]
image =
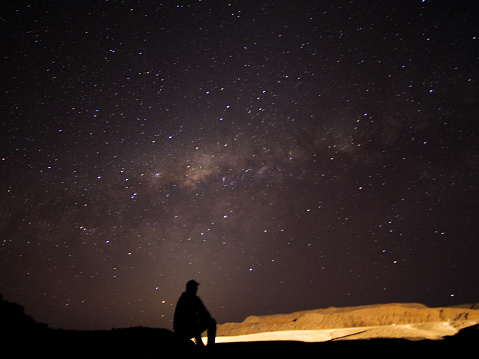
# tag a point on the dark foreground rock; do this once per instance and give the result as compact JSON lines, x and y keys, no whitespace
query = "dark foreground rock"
{"x":161,"y":343}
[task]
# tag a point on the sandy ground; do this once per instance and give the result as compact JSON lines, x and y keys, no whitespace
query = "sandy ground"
{"x":433,"y":331}
{"x":288,"y":335}
{"x":411,"y":321}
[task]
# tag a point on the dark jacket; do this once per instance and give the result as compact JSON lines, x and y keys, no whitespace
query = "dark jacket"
{"x":191,"y":317}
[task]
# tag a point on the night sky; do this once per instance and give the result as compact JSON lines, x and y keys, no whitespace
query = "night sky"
{"x":288,"y":155}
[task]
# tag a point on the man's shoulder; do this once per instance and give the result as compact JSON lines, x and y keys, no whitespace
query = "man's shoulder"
{"x":188,"y":297}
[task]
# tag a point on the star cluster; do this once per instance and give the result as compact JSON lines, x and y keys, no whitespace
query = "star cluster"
{"x":288,"y":155}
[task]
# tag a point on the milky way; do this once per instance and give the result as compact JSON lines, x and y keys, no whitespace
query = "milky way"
{"x":287,"y":155}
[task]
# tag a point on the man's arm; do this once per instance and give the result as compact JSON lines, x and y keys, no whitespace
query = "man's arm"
{"x":201,"y":309}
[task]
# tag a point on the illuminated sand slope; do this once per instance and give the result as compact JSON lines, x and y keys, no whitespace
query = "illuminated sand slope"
{"x":409,"y":321}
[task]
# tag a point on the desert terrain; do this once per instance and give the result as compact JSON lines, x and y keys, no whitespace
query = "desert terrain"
{"x":410,"y":321}
{"x":379,"y":330}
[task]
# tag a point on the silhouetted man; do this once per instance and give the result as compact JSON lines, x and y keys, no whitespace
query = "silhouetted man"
{"x":191,"y":317}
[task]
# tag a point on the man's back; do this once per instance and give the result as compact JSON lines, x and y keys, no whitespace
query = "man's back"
{"x":186,"y":312}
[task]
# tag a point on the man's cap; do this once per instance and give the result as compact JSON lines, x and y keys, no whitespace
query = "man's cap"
{"x":192,"y":283}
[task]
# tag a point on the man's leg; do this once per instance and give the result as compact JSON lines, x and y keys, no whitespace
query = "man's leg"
{"x":211,"y":332}
{"x":199,"y":341}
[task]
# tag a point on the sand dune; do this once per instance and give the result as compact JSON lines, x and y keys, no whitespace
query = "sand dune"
{"x":410,"y":321}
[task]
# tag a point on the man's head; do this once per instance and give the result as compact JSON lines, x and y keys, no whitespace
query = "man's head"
{"x":192,"y":286}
